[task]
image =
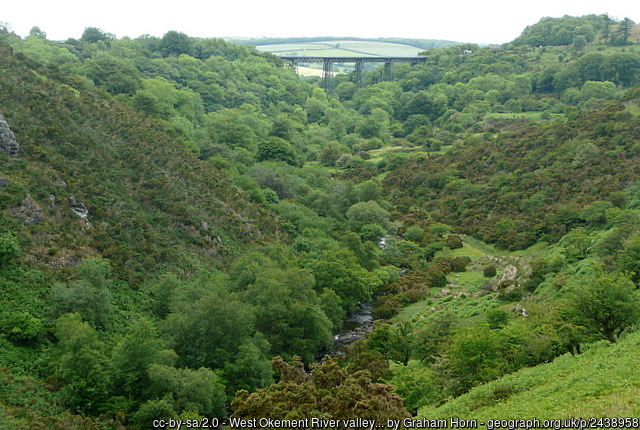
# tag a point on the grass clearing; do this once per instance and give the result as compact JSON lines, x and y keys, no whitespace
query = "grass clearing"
{"x":464,"y":295}
{"x":533,"y":115}
{"x":603,"y":381}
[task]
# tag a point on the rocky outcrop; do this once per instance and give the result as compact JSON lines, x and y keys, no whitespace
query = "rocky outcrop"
{"x":29,"y":211}
{"x":8,"y":143}
{"x":78,"y":208}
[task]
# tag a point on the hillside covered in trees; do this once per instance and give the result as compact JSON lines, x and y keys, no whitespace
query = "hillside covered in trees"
{"x":185,"y":224}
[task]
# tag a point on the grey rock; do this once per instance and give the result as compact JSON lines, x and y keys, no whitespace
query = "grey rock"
{"x":4,"y":182}
{"x":78,"y":208}
{"x":8,"y":143}
{"x":29,"y":211}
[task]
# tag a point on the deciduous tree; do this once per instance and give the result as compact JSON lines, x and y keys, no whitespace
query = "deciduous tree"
{"x":609,"y":304}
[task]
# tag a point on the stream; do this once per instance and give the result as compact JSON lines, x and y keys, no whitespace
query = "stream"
{"x":356,"y":326}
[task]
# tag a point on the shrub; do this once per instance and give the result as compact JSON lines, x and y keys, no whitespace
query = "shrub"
{"x":9,"y":247}
{"x":489,"y":271}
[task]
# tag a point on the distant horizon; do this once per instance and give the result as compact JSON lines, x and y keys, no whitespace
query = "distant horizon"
{"x":489,"y":22}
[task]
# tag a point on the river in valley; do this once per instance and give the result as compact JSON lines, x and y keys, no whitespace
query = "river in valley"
{"x":356,"y":326}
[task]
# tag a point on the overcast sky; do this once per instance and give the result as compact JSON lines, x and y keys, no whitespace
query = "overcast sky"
{"x":491,"y":21}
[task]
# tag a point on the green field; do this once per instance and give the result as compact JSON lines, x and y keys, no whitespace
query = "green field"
{"x":344,"y":48}
{"x":339,"y":48}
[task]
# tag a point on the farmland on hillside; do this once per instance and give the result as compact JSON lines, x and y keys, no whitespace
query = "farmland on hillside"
{"x":342,"y":48}
{"x":339,"y":48}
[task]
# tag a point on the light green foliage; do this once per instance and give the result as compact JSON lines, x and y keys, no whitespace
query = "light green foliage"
{"x":394,"y":343}
{"x":160,"y":98}
{"x":577,"y":243}
{"x":81,"y":363}
{"x":132,"y":356}
{"x":89,"y":295}
{"x":161,"y":409}
{"x":629,"y":258}
{"x":22,"y":327}
{"x":417,"y":385}
{"x":497,"y":318}
{"x":579,"y":42}
{"x":484,"y":142}
{"x":250,"y":371}
{"x":126,"y":48}
{"x":439,"y":229}
{"x":331,"y":305}
{"x":474,"y":356}
{"x":601,"y":382}
{"x":235,"y":128}
{"x":598,"y":90}
{"x":432,"y":338}
{"x":375,"y":124}
{"x":43,"y":51}
{"x":94,"y":35}
{"x":199,"y":391}
{"x":9,"y":247}
{"x":340,"y":272}
{"x":414,"y":233}
{"x":372,"y":232}
{"x":369,"y":212}
{"x":560,"y":31}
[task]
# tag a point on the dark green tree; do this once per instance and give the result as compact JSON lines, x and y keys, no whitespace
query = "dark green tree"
{"x":609,"y":304}
{"x":623,"y":32}
{"x":277,"y":149}
{"x":208,"y":324}
{"x":605,"y":33}
{"x":176,"y":43}
{"x":288,"y":312}
{"x":116,"y":75}
{"x":622,"y":68}
{"x":339,"y":271}
{"x":93,"y":35}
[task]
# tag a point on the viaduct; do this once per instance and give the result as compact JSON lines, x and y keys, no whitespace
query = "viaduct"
{"x":327,"y":66}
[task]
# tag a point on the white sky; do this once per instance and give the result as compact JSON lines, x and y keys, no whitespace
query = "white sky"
{"x":491,"y":21}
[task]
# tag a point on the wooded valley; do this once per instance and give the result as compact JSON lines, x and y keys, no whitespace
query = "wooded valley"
{"x":185,"y":224}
